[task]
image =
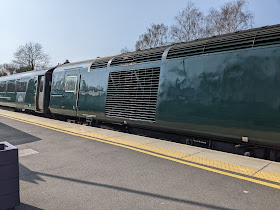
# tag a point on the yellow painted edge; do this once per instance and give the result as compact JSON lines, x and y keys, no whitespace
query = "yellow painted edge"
{"x":146,"y":152}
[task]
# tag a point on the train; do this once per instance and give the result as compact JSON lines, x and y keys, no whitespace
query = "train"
{"x":220,"y":92}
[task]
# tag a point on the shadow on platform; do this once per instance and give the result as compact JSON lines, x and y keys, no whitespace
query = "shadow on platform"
{"x":15,"y":136}
{"x":25,"y":174}
{"x":26,"y":206}
{"x":35,"y":177}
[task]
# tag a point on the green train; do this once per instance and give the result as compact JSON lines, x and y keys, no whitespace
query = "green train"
{"x":222,"y":91}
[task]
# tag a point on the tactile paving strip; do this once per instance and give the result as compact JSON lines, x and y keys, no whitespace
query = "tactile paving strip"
{"x":163,"y":153}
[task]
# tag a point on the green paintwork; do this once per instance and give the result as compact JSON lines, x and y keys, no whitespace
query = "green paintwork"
{"x":57,"y":91}
{"x":21,"y":100}
{"x":69,"y":98}
{"x":231,"y":94}
{"x":92,"y":97}
{"x":225,"y":95}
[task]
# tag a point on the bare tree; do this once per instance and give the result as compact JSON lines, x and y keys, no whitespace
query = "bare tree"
{"x":31,"y":56}
{"x":125,"y":50}
{"x":156,"y":35}
{"x":2,"y":71}
{"x":189,"y":24}
{"x":232,"y":16}
{"x":10,"y":68}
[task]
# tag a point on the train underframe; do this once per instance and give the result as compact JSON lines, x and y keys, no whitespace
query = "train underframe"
{"x":256,"y":151}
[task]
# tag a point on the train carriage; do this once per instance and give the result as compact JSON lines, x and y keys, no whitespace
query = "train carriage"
{"x":26,"y":91}
{"x":223,"y":89}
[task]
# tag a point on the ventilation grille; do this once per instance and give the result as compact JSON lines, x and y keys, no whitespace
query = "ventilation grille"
{"x":132,"y":94}
{"x":267,"y":37}
{"x":101,"y":62}
{"x":138,"y":57}
{"x":239,"y":40}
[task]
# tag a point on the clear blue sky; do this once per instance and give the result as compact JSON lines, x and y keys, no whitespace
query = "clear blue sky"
{"x":84,"y":29}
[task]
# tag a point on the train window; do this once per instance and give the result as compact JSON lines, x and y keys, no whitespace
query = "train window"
{"x":41,"y":88}
{"x":3,"y":87}
{"x":11,"y":87}
{"x":21,"y":86}
{"x":70,"y":84}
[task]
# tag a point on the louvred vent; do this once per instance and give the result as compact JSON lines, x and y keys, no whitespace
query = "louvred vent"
{"x":101,"y":62}
{"x":138,"y":57}
{"x":234,"y":41}
{"x":267,"y":37}
{"x":132,"y":94}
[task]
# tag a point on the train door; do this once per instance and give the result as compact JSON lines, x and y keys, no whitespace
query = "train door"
{"x":40,"y":93}
{"x":71,"y":93}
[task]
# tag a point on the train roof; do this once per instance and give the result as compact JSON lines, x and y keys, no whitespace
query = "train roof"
{"x":83,"y":64}
{"x":255,"y":37}
{"x":75,"y":65}
{"x":23,"y":74}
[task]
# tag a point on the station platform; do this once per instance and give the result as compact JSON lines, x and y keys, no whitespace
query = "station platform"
{"x":70,"y":166}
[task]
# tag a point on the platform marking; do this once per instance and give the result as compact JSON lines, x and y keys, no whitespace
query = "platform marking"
{"x":26,"y":152}
{"x":240,"y":172}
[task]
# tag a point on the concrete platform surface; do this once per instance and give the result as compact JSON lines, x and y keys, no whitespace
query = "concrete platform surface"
{"x":70,"y":166}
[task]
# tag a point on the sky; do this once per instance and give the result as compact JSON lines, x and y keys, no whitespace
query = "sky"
{"x":85,"y":29}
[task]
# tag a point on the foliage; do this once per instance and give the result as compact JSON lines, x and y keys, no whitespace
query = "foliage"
{"x":8,"y":69}
{"x":2,"y":71}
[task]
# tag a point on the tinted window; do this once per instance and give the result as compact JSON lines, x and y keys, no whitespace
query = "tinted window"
{"x":70,"y":84}
{"x":41,"y":86}
{"x":21,"y":86}
{"x":11,"y":87}
{"x":3,"y":87}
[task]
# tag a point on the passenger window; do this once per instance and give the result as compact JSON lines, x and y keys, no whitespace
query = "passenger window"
{"x":3,"y":87}
{"x":21,"y":86}
{"x":70,"y":84}
{"x":41,"y":86}
{"x":11,"y":87}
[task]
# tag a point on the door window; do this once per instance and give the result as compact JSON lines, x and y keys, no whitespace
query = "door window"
{"x":41,"y":88}
{"x":70,"y":84}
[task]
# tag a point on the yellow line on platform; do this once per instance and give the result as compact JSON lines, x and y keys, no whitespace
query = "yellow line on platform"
{"x":240,"y":172}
